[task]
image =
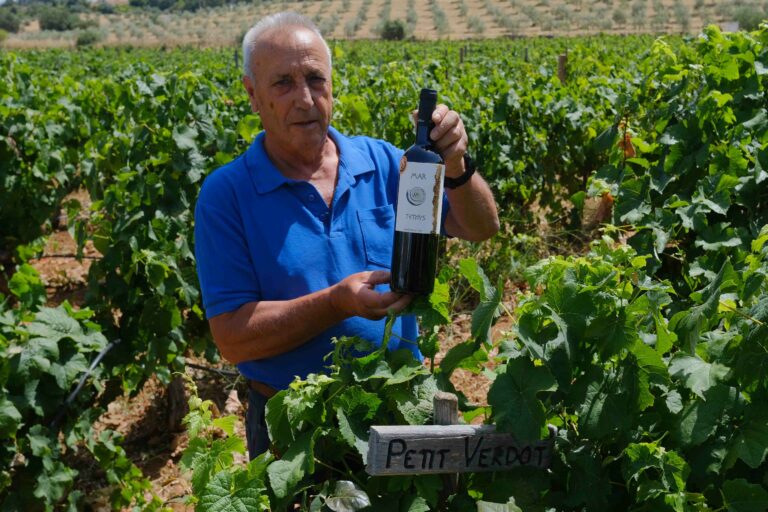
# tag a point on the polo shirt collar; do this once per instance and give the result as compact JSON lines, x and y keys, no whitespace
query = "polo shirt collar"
{"x":266,"y":177}
{"x":351,"y":159}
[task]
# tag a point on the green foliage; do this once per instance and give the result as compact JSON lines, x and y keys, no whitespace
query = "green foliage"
{"x":749,"y":16}
{"x":57,"y":18}
{"x":693,"y":192}
{"x":131,"y":487}
{"x":9,"y":21}
{"x":40,"y":147}
{"x":27,"y":286}
{"x":393,"y":30}
{"x":177,"y":5}
{"x":151,"y":174}
{"x":104,"y":7}
{"x":217,"y":483}
{"x":649,"y":358}
{"x":595,"y":353}
{"x":88,"y":38}
{"x":44,"y":353}
{"x":320,"y":426}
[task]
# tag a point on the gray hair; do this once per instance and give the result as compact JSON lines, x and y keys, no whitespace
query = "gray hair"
{"x":277,"y":20}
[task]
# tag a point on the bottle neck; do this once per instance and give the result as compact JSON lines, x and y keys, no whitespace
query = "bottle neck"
{"x":422,"y":133}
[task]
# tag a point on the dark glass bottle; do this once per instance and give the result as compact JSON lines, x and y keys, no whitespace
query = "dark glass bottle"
{"x":419,"y":206}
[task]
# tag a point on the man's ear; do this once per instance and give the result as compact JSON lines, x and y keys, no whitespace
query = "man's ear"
{"x":250,"y":88}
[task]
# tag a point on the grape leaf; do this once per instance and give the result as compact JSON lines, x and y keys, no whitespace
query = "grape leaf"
{"x":296,"y":463}
{"x":347,"y":497}
{"x":184,"y":137}
{"x":220,"y":495}
{"x":742,"y":496}
{"x":10,"y":418}
{"x":512,"y":396}
{"x":697,"y":374}
{"x":413,"y":503}
{"x":588,"y":483}
{"x":751,"y":443}
{"x":355,"y":408}
{"x":416,"y":405}
{"x":490,"y":299}
{"x":699,"y":418}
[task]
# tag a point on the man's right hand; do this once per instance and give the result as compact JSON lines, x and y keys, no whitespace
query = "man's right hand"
{"x":258,"y":330}
{"x":356,"y":296}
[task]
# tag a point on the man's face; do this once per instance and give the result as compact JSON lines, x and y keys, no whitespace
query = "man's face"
{"x":291,"y":89}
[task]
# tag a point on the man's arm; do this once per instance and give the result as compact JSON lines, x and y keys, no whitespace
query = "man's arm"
{"x":258,"y":330}
{"x":473,"y":214}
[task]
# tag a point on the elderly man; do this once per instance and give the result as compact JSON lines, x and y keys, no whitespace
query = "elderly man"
{"x":294,"y":238}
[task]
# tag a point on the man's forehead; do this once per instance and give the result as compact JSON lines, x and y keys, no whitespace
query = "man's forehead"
{"x":299,"y":40}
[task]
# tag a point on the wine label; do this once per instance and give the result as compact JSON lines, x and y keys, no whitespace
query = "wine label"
{"x":420,"y":197}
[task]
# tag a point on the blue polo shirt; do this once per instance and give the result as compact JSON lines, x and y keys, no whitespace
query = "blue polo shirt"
{"x":262,"y":236}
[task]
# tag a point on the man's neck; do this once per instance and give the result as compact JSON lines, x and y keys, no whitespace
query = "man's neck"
{"x":309,"y":165}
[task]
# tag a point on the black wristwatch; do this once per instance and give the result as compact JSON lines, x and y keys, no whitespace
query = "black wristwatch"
{"x":469,"y":170}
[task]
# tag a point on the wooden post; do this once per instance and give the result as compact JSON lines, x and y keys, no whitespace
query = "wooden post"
{"x":446,"y":406}
{"x":526,"y":54}
{"x":177,"y":404}
{"x":562,"y":68}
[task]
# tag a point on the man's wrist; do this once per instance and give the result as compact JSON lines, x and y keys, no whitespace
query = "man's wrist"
{"x":333,"y":299}
{"x":469,"y":170}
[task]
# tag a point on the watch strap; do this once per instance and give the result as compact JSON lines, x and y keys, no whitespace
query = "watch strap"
{"x":469,"y":170}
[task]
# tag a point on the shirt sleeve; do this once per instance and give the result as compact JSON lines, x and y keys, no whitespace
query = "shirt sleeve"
{"x":224,"y":265}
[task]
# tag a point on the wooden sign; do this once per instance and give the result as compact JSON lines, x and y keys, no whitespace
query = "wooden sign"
{"x":406,"y":450}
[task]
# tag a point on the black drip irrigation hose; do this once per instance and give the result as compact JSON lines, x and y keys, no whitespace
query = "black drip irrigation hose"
{"x":71,"y":398}
{"x":223,"y":373}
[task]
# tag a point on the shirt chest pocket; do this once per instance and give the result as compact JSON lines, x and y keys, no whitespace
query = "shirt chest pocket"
{"x":378,"y":229}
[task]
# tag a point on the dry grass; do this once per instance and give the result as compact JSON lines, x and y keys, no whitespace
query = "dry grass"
{"x":344,"y":19}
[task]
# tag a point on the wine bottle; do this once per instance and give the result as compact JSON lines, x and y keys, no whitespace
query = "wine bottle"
{"x":419,"y":208}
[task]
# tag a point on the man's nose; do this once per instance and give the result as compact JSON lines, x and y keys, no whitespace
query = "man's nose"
{"x":304,"y":96}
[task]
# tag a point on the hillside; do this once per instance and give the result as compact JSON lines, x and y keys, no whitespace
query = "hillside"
{"x":434,"y":19}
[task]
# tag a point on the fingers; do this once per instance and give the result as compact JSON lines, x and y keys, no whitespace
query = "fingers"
{"x":373,"y":304}
{"x":377,"y":277}
{"x":373,"y":300}
{"x":400,"y":304}
{"x":449,"y":133}
{"x":389,"y":302}
{"x":358,"y":296}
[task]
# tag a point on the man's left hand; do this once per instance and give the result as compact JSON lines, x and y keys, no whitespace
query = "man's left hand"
{"x":450,"y":139}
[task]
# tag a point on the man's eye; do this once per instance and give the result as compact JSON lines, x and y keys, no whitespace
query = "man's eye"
{"x":282,"y":82}
{"x":317,"y":79}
